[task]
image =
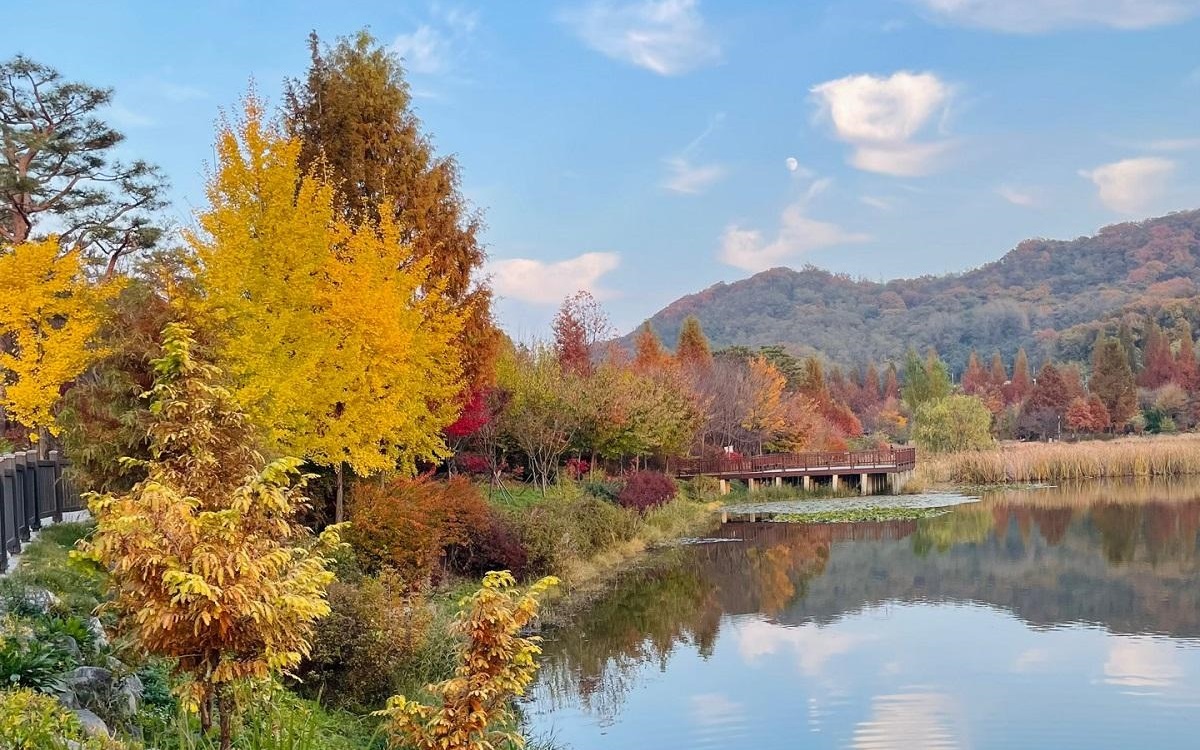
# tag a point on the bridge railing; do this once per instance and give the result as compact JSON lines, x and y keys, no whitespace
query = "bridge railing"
{"x":32,"y":490}
{"x":890,"y":459}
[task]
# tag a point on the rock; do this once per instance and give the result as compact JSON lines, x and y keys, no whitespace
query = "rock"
{"x":71,"y":646}
{"x":30,"y":600}
{"x":129,"y":695}
{"x":96,"y":628}
{"x":92,"y":724}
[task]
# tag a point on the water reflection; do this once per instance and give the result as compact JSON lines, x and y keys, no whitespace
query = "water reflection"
{"x":1075,"y":607}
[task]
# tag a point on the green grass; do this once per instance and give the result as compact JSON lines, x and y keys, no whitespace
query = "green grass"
{"x":47,"y":563}
{"x":859,"y":515}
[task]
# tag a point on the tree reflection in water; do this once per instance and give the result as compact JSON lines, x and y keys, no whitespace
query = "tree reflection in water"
{"x":1121,"y":555}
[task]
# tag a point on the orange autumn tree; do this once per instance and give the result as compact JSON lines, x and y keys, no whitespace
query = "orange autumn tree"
{"x":208,"y":563}
{"x":495,"y":665}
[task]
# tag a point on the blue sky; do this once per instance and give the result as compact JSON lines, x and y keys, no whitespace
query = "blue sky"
{"x":648,"y":149}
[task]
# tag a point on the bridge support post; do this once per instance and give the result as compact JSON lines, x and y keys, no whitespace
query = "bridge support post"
{"x":806,"y":483}
{"x":723,"y":484}
{"x":835,"y":482}
{"x":752,"y":484}
{"x":864,"y":484}
{"x":778,"y":481}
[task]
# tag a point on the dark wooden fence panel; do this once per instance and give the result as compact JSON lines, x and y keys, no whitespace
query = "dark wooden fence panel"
{"x":32,"y":490}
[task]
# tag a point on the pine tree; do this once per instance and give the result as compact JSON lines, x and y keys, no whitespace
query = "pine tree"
{"x":692,"y":349}
{"x":1129,"y":346}
{"x":353,"y":117}
{"x":58,"y":164}
{"x":1112,"y":380}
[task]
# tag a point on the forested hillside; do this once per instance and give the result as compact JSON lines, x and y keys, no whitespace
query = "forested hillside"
{"x":1048,"y":296}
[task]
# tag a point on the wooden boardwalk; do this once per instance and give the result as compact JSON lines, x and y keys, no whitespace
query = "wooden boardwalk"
{"x":870,"y":472}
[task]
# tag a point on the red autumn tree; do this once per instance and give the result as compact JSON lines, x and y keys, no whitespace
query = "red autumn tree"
{"x":1187,"y":372}
{"x":1020,"y":384}
{"x":871,"y":385}
{"x":648,"y":350}
{"x":891,"y":384}
{"x":1100,"y":418}
{"x":1046,"y":404}
{"x":1159,"y":364}
{"x":975,"y":379}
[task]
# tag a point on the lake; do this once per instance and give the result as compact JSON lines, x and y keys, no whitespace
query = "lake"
{"x":1049,"y":618}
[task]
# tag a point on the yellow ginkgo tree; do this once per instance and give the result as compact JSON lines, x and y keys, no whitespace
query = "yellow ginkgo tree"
{"x":339,"y":344}
{"x":49,"y":315}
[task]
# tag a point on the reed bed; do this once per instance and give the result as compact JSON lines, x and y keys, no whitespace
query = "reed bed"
{"x":1160,"y":456}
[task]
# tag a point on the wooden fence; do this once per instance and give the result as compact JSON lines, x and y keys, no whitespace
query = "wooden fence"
{"x":32,"y":491}
{"x":886,"y":460}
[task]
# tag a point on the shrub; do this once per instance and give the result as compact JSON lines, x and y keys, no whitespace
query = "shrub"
{"x":646,"y":489}
{"x":496,"y":546}
{"x":577,"y":468}
{"x":953,"y":423}
{"x":603,"y":489}
{"x":360,"y":649}
{"x":410,"y":525}
{"x":30,"y":721}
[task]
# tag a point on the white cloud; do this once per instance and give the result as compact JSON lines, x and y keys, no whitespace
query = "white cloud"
{"x":812,"y":646}
{"x":667,"y":37}
{"x":547,"y":283}
{"x":1141,"y":663}
{"x":1132,"y":186}
{"x":791,"y":163}
{"x":881,"y":116}
{"x":424,"y":50}
{"x":688,"y":178}
{"x":1039,"y":16}
{"x":716,"y":709}
{"x":1017,"y":196}
{"x":429,"y":48}
{"x":798,"y":233}
{"x":909,"y":720}
{"x":1172,"y":144}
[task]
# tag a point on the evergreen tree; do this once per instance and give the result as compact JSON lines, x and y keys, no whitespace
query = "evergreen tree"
{"x":924,"y":380}
{"x":1112,"y":379}
{"x":1129,"y":345}
{"x":58,"y":164}
{"x":1047,"y":403}
{"x":692,"y":349}
{"x":891,"y":383}
{"x":353,"y":117}
{"x":871,"y":384}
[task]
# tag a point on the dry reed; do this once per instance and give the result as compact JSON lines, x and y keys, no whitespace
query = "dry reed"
{"x":1161,"y":456}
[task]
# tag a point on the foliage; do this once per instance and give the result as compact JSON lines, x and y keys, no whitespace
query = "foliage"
{"x":495,"y":665}
{"x":46,"y":563}
{"x":578,"y":326}
{"x":953,"y":423}
{"x":1112,"y":379}
{"x":338,"y":340}
{"x":859,"y":515}
{"x":692,"y":349}
{"x":49,"y":315}
{"x":32,"y":721}
{"x":57,"y":166}
{"x":409,"y":526}
{"x":353,"y":118}
{"x":103,"y":416}
{"x":540,"y":416}
{"x":207,"y":563}
{"x":498,"y":546}
{"x":27,"y":660}
{"x":646,"y":489}
{"x":924,"y":380}
{"x":364,"y":650}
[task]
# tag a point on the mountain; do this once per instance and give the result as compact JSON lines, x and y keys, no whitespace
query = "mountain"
{"x":1049,"y":296}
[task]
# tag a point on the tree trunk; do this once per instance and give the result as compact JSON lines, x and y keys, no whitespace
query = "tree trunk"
{"x":339,"y":508}
{"x":225,"y":706}
{"x":43,"y":444}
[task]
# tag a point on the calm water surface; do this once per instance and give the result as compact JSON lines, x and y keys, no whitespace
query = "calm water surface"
{"x":1055,"y":618}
